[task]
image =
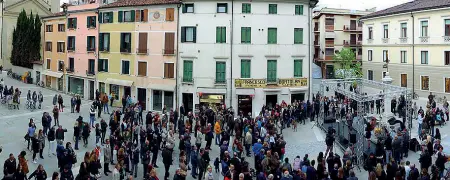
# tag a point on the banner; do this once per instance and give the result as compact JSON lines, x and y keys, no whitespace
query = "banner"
{"x":250,"y":83}
{"x":293,"y":82}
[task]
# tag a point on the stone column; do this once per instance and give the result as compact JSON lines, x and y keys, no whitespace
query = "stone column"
{"x":387,"y":98}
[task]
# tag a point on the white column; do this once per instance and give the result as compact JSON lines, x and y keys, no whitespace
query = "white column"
{"x":387,"y":98}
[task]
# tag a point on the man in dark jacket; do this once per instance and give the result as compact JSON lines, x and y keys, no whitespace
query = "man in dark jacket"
{"x":148,"y":119}
{"x":145,"y":160}
{"x":194,"y":161}
{"x":201,"y":164}
{"x":135,"y":160}
{"x":9,"y":168}
{"x":182,"y":112}
{"x":167,"y":160}
{"x":60,"y":133}
{"x":388,"y":148}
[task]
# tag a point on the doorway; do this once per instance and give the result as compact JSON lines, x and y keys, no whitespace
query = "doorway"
{"x":142,"y":97}
{"x":245,"y":104}
{"x":271,"y":100}
{"x":188,"y":102}
{"x":91,"y":90}
{"x":330,"y":71}
{"x":297,"y":97}
{"x":127,"y":91}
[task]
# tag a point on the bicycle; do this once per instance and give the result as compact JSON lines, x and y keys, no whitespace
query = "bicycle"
{"x":40,"y":84}
{"x":415,"y":96}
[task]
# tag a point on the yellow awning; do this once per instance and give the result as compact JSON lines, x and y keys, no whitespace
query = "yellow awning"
{"x":119,"y":82}
{"x":53,"y":74}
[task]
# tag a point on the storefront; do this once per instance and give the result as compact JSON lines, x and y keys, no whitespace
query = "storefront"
{"x":117,"y":89}
{"x":211,"y":100}
{"x":245,"y":104}
{"x":52,"y":79}
{"x":76,"y":86}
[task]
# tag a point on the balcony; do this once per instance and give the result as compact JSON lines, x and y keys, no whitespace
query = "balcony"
{"x":424,"y":39}
{"x":385,"y":40}
{"x":125,"y":50}
{"x":90,"y":73}
{"x":329,"y":27}
{"x":329,"y":43}
{"x":188,"y":80}
{"x":316,"y":28}
{"x":70,"y":49}
{"x":316,"y":43}
{"x":403,"y":40}
{"x":348,"y":28}
{"x":90,"y":49}
{"x":351,"y":43}
{"x":141,"y":51}
{"x":329,"y":57}
{"x":168,"y":52}
{"x":70,"y":70}
{"x":220,"y":81}
{"x":446,"y":39}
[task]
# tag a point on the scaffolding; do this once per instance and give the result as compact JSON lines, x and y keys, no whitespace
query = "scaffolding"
{"x":387,"y":92}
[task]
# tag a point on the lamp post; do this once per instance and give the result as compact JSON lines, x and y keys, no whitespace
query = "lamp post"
{"x":386,"y":80}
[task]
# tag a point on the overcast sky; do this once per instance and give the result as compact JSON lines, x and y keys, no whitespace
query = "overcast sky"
{"x":360,"y":4}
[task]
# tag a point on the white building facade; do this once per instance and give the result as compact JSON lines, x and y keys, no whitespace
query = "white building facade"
{"x":243,"y":54}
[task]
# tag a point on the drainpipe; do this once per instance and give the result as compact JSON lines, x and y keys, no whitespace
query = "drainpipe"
{"x":1,"y":46}
{"x":231,"y":55}
{"x":178,"y":57}
{"x":414,"y":62}
{"x":309,"y":52}
{"x":98,"y":52}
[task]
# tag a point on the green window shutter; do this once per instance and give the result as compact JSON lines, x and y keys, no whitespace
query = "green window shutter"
{"x":272,"y":9}
{"x":183,"y":34}
{"x":111,"y":17}
{"x":75,"y":23}
{"x":243,"y":33}
{"x":298,"y":68}
{"x":131,"y":41}
{"x":298,"y":35}
{"x":218,"y":31}
{"x":100,"y":42}
{"x":187,"y":71}
{"x":272,"y":36}
{"x":88,"y":24}
{"x":184,"y":9}
{"x":220,"y":72}
{"x":100,"y":63}
{"x":301,"y":10}
{"x":95,"y":20}
{"x":121,"y":41}
{"x":100,"y":17}
{"x":68,"y":23}
{"x":105,"y":62}
{"x":87,"y":43}
{"x":272,"y":70}
{"x":245,"y":68}
{"x":194,"y":40}
{"x":109,"y":41}
{"x":246,"y":8}
{"x":120,"y":16}
{"x":224,"y":34}
{"x":133,"y":15}
{"x":74,"y":44}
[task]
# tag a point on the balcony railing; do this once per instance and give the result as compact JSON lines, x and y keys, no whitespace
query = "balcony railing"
{"x":352,"y":43}
{"x":70,"y":49}
{"x":168,"y":52}
{"x":90,"y":49}
{"x":350,"y":28}
{"x":403,"y":40}
{"x":141,"y":51}
{"x":70,"y":70}
{"x":385,"y":40}
{"x":220,"y":81}
{"x":90,"y":73}
{"x":125,"y":50}
{"x":188,"y":80}
{"x":424,"y":39}
{"x":446,"y":39}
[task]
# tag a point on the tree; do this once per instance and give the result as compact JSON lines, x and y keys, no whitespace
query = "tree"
{"x":26,"y":40}
{"x":348,"y":67}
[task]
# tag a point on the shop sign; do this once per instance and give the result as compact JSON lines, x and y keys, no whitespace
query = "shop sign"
{"x":293,"y":82}
{"x":250,"y":83}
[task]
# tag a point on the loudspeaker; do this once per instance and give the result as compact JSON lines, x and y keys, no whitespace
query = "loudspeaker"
{"x":329,"y":119}
{"x":353,"y":138}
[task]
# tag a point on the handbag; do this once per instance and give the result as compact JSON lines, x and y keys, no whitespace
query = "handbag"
{"x":27,"y":137}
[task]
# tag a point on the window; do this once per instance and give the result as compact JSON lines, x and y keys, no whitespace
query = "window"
{"x":329,"y":21}
{"x":271,"y":35}
{"x":61,"y":27}
{"x":114,"y":91}
{"x":90,"y":22}
{"x":169,"y":70}
{"x":447,"y":85}
{"x":298,"y":9}
{"x":48,"y":46}
{"x":142,"y":43}
{"x":188,"y":8}
{"x":222,"y":7}
{"x":91,"y":66}
{"x":157,"y":100}
{"x":49,"y":28}
{"x":169,"y":43}
{"x":404,"y":80}
{"x":127,"y":16}
{"x":125,"y":67}
{"x":125,"y":42}
{"x":425,"y":82}
{"x":91,"y":43}
{"x":60,"y":66}
{"x":403,"y":27}
{"x":369,"y":55}
{"x":102,"y":65}
{"x":168,"y":99}
{"x":424,"y":28}
{"x":385,"y":31}
{"x":298,"y":35}
{"x":49,"y":63}
{"x":385,"y":56}
{"x":246,"y":35}
{"x":60,"y":47}
{"x":170,"y":12}
{"x":447,"y":57}
{"x":424,"y":57}
{"x":271,"y":71}
{"x":329,"y":51}
{"x":447,"y":27}
{"x":220,"y":72}
{"x":246,"y":8}
{"x":188,"y":34}
{"x":142,"y":68}
{"x":245,"y":68}
{"x":106,"y":17}
{"x":103,"y":43}
{"x":221,"y":34}
{"x":370,"y":33}
{"x":71,"y":64}
{"x":298,"y":68}
{"x":72,"y":23}
{"x":272,"y":9}
{"x":370,"y":75}
{"x":187,"y":71}
{"x":71,"y":43}
{"x":403,"y":57}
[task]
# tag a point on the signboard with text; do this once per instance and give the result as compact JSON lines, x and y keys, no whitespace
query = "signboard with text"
{"x":293,"y":82}
{"x":262,"y":83}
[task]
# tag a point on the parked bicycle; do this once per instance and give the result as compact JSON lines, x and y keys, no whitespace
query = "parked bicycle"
{"x":415,"y":96}
{"x":31,"y":105}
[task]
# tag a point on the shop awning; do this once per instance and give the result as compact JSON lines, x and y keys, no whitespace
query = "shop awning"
{"x":53,"y":74}
{"x":119,"y":82}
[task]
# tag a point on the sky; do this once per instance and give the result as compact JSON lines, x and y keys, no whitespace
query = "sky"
{"x":360,"y":4}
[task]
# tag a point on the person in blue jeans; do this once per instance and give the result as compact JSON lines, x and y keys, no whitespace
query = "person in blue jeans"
{"x":76,"y":134}
{"x":92,"y":115}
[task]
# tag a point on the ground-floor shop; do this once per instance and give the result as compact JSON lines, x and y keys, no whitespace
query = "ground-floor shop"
{"x":85,"y":87}
{"x":195,"y":98}
{"x":54,"y":80}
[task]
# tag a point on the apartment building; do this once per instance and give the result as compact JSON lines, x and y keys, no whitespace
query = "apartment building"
{"x":335,"y":29}
{"x":137,"y":44}
{"x":411,"y":42}
{"x":243,"y":53}
{"x":54,"y":50}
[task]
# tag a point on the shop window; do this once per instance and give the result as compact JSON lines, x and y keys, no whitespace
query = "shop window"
{"x":157,"y":100}
{"x":447,"y":85}
{"x":425,"y":83}
{"x":168,"y":99}
{"x":114,"y":91}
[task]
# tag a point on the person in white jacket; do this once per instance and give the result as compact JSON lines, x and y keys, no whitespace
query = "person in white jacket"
{"x":116,"y":173}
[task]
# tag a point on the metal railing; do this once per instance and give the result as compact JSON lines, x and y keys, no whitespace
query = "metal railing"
{"x":141,"y":51}
{"x":168,"y":51}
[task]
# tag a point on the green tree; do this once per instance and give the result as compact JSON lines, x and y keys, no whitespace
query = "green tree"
{"x":26,"y":40}
{"x":348,"y":67}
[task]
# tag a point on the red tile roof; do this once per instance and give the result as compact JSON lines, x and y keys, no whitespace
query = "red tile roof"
{"x":417,"y":5}
{"x":125,"y":3}
{"x":54,"y":15}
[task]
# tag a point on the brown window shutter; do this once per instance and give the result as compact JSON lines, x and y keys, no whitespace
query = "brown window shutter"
{"x":166,"y":70}
{"x":142,"y":68}
{"x":138,"y":15}
{"x":169,"y":43}
{"x":171,"y":70}
{"x":170,"y":14}
{"x":142,"y":43}
{"x":145,"y":15}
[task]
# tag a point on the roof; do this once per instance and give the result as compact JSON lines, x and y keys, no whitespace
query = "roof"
{"x":325,"y":10}
{"x":54,"y":15}
{"x":417,"y":5}
{"x":125,"y":3}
